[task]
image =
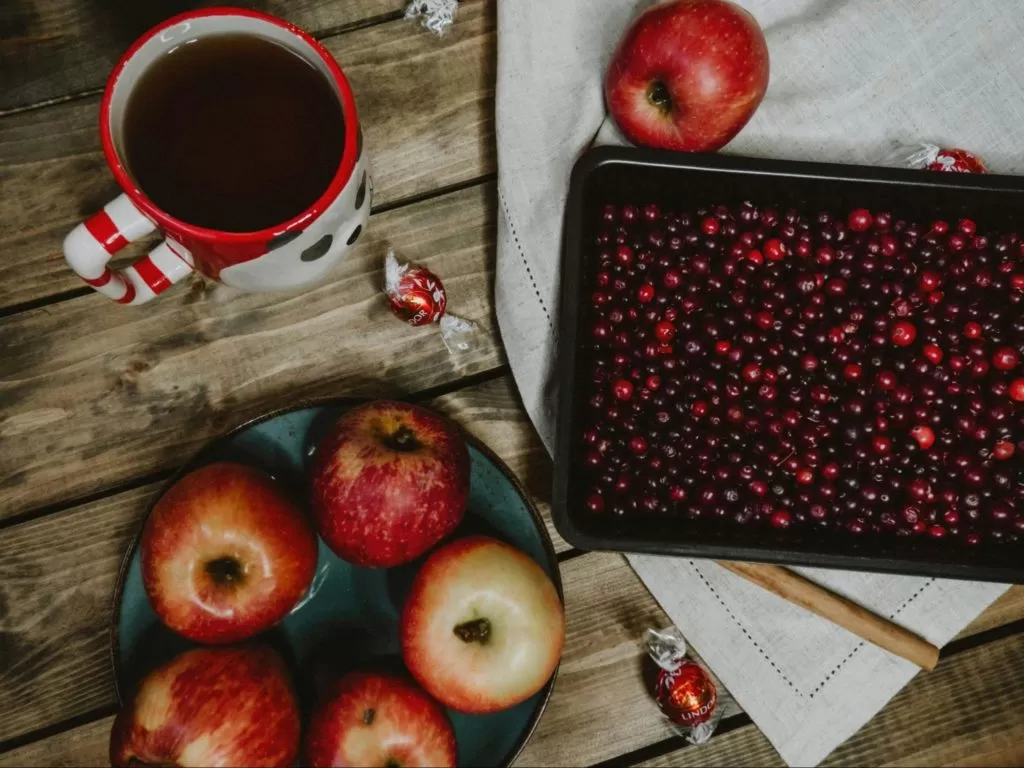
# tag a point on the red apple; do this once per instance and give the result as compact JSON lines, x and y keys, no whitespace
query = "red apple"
{"x":483,"y":628}
{"x":688,"y":75}
{"x":226,"y":554}
{"x":390,"y":480}
{"x":379,"y":720}
{"x":211,"y":707}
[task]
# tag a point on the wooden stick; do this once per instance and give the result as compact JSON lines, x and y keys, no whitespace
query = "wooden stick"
{"x":796,"y":589}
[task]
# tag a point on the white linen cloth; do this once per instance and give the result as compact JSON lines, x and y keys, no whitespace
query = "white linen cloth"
{"x":848,"y":78}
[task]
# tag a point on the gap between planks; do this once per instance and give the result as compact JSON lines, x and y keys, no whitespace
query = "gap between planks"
{"x":915,"y":728}
{"x":101,"y":50}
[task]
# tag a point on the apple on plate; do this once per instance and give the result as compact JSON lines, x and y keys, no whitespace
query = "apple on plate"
{"x":226,"y":554}
{"x":688,"y":75}
{"x":376,"y":719}
{"x":389,"y":481}
{"x":223,"y":706}
{"x":483,"y":627}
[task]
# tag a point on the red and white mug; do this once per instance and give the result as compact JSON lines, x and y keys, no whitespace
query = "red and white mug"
{"x":290,"y":255}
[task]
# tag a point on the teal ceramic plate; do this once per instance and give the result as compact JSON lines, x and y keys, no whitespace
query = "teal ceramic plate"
{"x":351,"y":615}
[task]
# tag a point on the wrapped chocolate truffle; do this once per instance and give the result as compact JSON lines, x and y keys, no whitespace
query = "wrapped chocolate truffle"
{"x":684,"y":690}
{"x":932,"y":157}
{"x":417,"y":296}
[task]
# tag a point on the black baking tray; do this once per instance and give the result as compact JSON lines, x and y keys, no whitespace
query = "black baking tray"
{"x":620,"y":175}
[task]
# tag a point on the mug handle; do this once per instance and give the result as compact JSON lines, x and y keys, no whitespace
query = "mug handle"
{"x":89,"y":246}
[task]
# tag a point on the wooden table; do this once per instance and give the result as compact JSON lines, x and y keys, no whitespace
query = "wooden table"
{"x":99,"y":403}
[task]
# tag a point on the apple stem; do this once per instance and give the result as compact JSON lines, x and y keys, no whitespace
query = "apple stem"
{"x":659,"y":96}
{"x":224,"y":570}
{"x":475,"y":631}
{"x":402,"y":439}
{"x":369,"y":715}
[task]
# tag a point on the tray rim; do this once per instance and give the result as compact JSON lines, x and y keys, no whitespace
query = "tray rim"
{"x":196,"y":460}
{"x":597,"y":158}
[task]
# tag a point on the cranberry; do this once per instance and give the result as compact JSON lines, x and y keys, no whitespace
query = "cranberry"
{"x":595,"y":503}
{"x":664,"y":331}
{"x":919,"y":489}
{"x":933,"y":353}
{"x":930,"y":281}
{"x":903,"y":333}
{"x":972,"y":330}
{"x":1016,"y":390}
{"x":1005,"y":358}
{"x":924,"y":436}
{"x":781,"y":518}
{"x":751,"y":373}
{"x":885,"y":380}
{"x":709,"y":226}
{"x":1004,"y":449}
{"x":622,"y":389}
{"x":881,"y":444}
{"x":774,"y":249}
{"x":860,"y":220}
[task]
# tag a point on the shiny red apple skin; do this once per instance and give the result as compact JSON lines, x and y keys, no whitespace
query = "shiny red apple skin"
{"x":226,"y":706}
{"x":462,"y":583}
{"x":374,"y":719}
{"x":712,"y":59}
{"x":389,"y":481}
{"x":226,"y":554}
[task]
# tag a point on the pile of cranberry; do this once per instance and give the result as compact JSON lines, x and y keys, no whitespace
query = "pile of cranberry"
{"x":858,"y":374}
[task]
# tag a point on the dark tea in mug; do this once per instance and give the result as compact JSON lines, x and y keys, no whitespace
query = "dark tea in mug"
{"x":233,"y":132}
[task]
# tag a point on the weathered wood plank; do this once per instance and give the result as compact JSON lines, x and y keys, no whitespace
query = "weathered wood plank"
{"x":1008,"y":608}
{"x":57,"y":573}
{"x":426,"y":104}
{"x":966,"y":712}
{"x":56,"y":48}
{"x":86,"y":745}
{"x":57,"y":578}
{"x":117,"y":392}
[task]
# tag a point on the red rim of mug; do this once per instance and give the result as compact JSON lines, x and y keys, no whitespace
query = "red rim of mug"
{"x":163,"y":219}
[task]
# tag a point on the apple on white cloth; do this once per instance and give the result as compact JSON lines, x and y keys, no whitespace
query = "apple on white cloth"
{"x":688,"y":75}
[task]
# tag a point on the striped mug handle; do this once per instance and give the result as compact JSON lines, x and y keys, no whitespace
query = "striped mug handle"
{"x":89,"y":246}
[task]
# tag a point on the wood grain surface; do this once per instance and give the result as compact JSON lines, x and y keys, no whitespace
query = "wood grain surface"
{"x":426,"y":104}
{"x":966,"y":712}
{"x":60,"y":48}
{"x":119,"y":392}
{"x":99,"y":403}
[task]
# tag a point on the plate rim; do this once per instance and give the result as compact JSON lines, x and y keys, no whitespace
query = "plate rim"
{"x":345,"y":402}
